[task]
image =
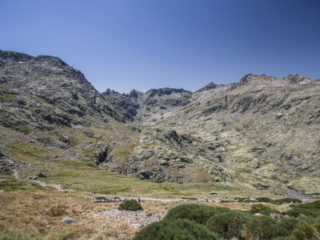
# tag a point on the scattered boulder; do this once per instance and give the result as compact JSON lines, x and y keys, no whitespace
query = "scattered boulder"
{"x":65,"y":139}
{"x":103,"y":199}
{"x":68,"y":220}
{"x":164,"y":162}
{"x":41,"y":175}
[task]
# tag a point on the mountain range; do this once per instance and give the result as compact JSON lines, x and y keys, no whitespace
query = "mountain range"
{"x":262,"y":132}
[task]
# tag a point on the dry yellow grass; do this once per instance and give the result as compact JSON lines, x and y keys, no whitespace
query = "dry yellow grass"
{"x":26,"y":212}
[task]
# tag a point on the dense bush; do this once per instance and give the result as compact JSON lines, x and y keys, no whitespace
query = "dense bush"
{"x":260,"y":208}
{"x":198,"y":213}
{"x":228,"y":224}
{"x":278,"y":201}
{"x":269,"y":200}
{"x":243,"y":200}
{"x":306,"y":231}
{"x":266,"y":228}
{"x":264,"y":199}
{"x":311,"y":209}
{"x":175,"y":230}
{"x":130,"y":205}
{"x":287,"y":200}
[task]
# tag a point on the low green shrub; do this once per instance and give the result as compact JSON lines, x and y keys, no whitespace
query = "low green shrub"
{"x":228,"y":224}
{"x":288,"y":200}
{"x":260,"y":208}
{"x":269,"y":200}
{"x":304,"y":231}
{"x":56,"y":211}
{"x":9,"y":186}
{"x":311,"y":209}
{"x":265,"y":199}
{"x":175,"y":230}
{"x":101,"y":198}
{"x":194,"y":212}
{"x":266,"y":228}
{"x":65,"y":236}
{"x":243,"y":200}
{"x":130,"y":205}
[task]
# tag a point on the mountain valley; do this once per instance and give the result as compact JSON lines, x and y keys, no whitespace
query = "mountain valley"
{"x":261,"y":133}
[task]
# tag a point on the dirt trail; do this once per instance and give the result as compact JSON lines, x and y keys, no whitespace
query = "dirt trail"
{"x":43,"y":184}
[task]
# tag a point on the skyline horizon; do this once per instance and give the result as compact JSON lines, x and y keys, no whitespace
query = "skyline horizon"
{"x":190,"y":90}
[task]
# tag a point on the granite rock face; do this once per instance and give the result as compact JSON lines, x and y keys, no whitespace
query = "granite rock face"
{"x":262,"y":132}
{"x":44,"y":91}
{"x":138,"y":106}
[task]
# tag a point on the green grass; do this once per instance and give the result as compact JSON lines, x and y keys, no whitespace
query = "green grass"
{"x":24,"y":129}
{"x":7,"y":97}
{"x":9,"y":186}
{"x":80,"y":176}
{"x":24,"y":149}
{"x":6,"y":176}
{"x":65,"y":236}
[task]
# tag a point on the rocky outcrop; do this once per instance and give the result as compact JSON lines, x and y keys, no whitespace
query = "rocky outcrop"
{"x":138,"y":106}
{"x":210,"y":86}
{"x":127,"y":105}
{"x":44,"y":91}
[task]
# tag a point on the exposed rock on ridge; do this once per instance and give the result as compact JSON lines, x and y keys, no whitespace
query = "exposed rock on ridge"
{"x":44,"y":90}
{"x":262,"y":132}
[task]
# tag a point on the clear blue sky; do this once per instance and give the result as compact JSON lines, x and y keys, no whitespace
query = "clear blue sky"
{"x":143,"y":44}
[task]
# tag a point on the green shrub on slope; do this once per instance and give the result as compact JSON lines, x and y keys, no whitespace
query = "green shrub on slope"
{"x":260,"y":208}
{"x":198,"y":213}
{"x":228,"y":224}
{"x":130,"y":205}
{"x":311,"y":209}
{"x":175,"y":230}
{"x":266,"y":228}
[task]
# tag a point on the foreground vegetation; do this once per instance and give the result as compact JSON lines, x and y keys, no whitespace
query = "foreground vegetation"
{"x":29,"y":211}
{"x":193,"y":221}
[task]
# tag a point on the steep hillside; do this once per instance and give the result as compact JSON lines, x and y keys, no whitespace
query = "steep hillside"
{"x":262,"y":132}
{"x":50,"y":112}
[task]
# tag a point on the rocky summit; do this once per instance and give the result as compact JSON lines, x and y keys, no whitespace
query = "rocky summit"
{"x":262,"y":132}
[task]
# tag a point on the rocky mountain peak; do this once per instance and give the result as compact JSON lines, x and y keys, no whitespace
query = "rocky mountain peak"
{"x":55,"y":61}
{"x":165,"y":91}
{"x":134,"y":94}
{"x":210,"y":86}
{"x":297,"y":78}
{"x":14,"y":56}
{"x":58,"y":93}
